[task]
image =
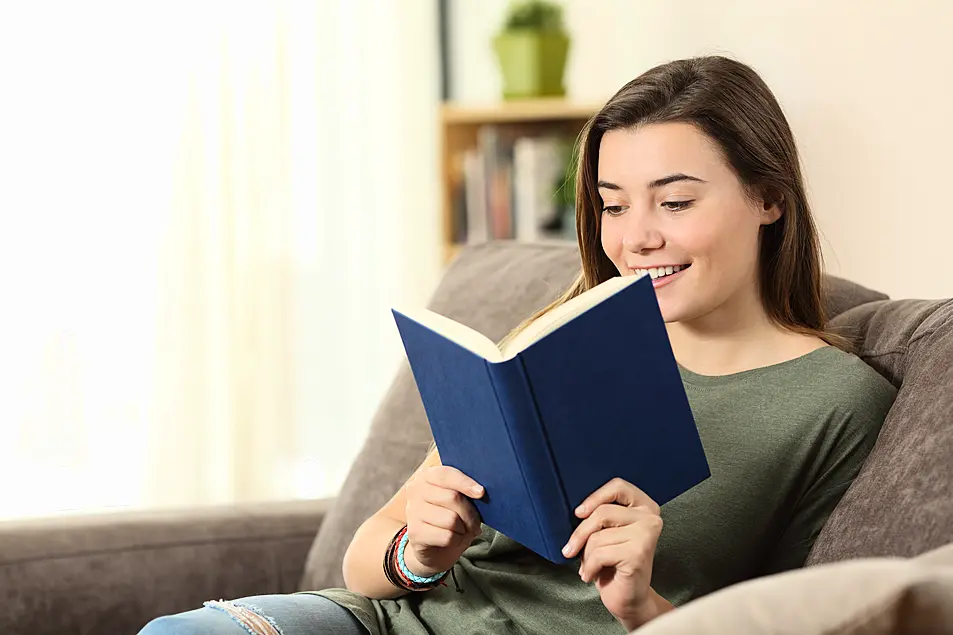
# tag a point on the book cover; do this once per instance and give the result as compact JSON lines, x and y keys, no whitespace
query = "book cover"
{"x":595,"y":395}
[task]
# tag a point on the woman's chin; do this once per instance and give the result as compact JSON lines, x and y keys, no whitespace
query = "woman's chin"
{"x":673,"y":311}
{"x":668,"y":315}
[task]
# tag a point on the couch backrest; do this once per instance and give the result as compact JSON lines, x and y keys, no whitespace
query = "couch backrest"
{"x":490,"y":288}
{"x":901,"y":503}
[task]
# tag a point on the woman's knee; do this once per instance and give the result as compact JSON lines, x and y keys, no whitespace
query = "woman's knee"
{"x":296,"y":614}
{"x":197,"y":622}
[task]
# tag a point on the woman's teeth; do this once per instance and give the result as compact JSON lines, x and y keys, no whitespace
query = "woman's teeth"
{"x":659,"y":272}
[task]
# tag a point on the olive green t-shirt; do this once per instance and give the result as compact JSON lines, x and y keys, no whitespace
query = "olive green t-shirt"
{"x":783,"y":443}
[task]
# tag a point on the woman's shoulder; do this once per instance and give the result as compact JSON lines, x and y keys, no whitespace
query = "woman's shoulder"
{"x":852,"y":385}
{"x":852,"y":371}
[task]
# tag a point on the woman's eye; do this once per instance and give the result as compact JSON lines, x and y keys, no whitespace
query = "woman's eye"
{"x":677,"y":206}
{"x":613,"y":210}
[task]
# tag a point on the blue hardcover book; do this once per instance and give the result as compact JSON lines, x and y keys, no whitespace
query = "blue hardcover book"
{"x":589,"y":392}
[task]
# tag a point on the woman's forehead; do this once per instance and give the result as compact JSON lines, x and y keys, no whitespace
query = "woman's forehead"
{"x":638,"y":156}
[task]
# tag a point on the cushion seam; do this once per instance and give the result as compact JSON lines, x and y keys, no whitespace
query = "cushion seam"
{"x":902,"y":350}
{"x":943,"y":324}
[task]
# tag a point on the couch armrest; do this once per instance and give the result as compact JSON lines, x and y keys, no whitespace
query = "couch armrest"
{"x":111,"y":573}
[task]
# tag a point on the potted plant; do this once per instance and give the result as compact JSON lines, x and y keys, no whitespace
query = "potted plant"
{"x":532,"y":50}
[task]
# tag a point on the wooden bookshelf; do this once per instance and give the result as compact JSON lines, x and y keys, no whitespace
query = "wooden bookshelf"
{"x":544,"y":109}
{"x":459,"y":127}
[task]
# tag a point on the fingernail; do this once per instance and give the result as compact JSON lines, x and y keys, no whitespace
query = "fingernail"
{"x":580,"y":509}
{"x":477,"y":491}
{"x":567,"y":549}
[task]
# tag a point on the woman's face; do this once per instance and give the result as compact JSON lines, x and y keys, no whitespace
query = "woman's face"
{"x":673,"y":206}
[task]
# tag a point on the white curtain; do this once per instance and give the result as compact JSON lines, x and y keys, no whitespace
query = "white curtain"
{"x":208,"y":210}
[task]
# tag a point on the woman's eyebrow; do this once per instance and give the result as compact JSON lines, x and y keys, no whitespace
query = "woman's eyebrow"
{"x":665,"y":180}
{"x":673,"y":178}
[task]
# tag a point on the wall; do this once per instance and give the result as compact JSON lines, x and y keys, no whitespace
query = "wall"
{"x":867,"y":88}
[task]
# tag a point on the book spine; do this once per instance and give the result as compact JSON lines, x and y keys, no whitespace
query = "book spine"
{"x":474,"y":168}
{"x":528,"y":436}
{"x":525,"y":188}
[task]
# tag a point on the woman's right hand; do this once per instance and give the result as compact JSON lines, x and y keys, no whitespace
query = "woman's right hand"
{"x":441,"y":520}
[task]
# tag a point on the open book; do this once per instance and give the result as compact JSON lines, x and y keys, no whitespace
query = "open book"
{"x":587,"y":392}
{"x":538,"y":329}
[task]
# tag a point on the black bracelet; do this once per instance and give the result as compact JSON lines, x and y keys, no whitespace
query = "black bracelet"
{"x":389,"y":570}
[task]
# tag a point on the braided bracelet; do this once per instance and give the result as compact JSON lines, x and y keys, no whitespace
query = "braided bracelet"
{"x":397,"y":573}
{"x":407,"y":572}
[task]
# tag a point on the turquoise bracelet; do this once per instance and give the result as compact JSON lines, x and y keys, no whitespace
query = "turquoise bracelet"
{"x":407,"y":572}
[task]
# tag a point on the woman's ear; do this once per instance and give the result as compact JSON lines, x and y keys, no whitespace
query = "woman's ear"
{"x":770,"y":213}
{"x":772,"y":206}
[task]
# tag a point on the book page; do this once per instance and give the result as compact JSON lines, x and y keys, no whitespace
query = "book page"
{"x":564,"y":313}
{"x":461,"y":334}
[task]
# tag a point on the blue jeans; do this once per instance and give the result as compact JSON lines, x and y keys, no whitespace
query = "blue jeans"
{"x":297,"y":614}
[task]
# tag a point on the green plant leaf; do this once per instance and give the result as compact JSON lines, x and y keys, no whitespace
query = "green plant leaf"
{"x":534,"y":15}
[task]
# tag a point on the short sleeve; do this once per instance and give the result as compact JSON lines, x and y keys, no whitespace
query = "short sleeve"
{"x":850,"y":437}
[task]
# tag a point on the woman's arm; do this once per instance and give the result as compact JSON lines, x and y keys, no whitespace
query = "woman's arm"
{"x":364,"y":558}
{"x":441,"y":523}
{"x":655,"y":605}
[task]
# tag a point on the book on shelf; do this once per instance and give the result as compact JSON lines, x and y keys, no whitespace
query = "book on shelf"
{"x":588,"y":392}
{"x":538,"y":171}
{"x":514,"y":187}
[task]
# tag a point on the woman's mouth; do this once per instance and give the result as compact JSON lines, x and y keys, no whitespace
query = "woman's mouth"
{"x":663,"y":275}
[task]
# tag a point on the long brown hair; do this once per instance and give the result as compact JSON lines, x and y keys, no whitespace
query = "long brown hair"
{"x":732,"y":105}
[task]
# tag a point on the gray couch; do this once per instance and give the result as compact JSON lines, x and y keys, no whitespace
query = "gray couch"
{"x":109,"y":574}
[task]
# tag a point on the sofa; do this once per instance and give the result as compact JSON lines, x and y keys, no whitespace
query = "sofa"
{"x":111,"y":573}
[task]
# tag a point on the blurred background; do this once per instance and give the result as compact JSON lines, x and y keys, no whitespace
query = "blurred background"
{"x":208,"y":208}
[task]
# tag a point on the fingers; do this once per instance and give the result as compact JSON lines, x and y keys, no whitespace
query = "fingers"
{"x":452,"y":478}
{"x":604,"y":516}
{"x":440,"y":517}
{"x":427,"y":535}
{"x":607,"y":556}
{"x":594,"y":559}
{"x":433,"y":526}
{"x":616,"y":491}
{"x":630,"y":548}
{"x":461,"y":506}
{"x":436,"y":500}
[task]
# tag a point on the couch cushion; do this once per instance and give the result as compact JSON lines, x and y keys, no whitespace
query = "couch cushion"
{"x":876,"y":596}
{"x":841,"y":295}
{"x":901,"y":503}
{"x":110,"y":573}
{"x":490,"y":288}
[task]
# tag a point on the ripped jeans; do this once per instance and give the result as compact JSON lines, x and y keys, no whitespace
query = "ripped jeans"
{"x":295,"y":614}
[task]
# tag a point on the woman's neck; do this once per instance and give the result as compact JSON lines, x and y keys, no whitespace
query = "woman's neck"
{"x":738,"y":336}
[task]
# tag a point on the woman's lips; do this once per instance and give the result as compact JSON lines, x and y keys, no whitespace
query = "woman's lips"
{"x":664,"y":280}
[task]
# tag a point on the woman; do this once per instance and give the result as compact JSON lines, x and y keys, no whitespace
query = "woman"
{"x":689,"y":172}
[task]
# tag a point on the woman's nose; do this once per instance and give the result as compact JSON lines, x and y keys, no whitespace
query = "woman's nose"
{"x":641,"y":236}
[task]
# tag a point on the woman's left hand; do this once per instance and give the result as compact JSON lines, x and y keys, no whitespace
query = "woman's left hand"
{"x":617,"y":539}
